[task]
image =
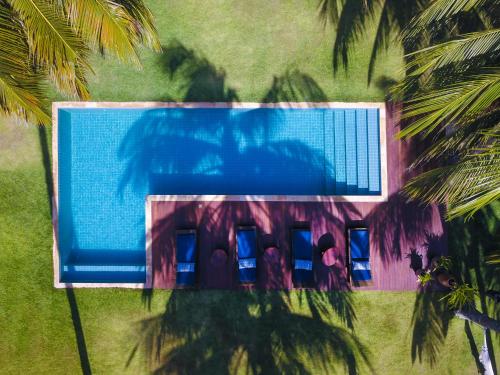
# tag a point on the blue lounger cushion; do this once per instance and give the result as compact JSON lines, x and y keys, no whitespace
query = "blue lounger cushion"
{"x":186,"y":258}
{"x":359,"y":247}
{"x":302,"y":252}
{"x":246,"y":244}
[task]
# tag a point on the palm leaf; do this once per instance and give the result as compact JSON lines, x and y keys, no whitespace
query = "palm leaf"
{"x":468,"y":97}
{"x":53,"y":44}
{"x":440,"y":10}
{"x":459,"y":140}
{"x":465,"y":50}
{"x":21,"y":92}
{"x":110,"y":26}
{"x":143,"y":23}
{"x":466,"y":186}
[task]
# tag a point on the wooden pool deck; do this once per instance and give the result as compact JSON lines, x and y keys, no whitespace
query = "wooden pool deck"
{"x":395,"y":226}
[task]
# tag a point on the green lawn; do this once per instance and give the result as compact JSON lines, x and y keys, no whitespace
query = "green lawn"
{"x":252,"y":50}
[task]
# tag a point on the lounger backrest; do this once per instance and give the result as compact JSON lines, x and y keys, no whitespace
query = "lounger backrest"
{"x":186,"y":256}
{"x":302,"y":244}
{"x":302,"y":252}
{"x":359,"y":247}
{"x":247,"y":243}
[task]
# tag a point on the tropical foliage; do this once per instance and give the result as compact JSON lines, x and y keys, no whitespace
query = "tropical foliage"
{"x":451,"y":99}
{"x":50,"y":41}
{"x":450,"y":91}
{"x":460,"y":295}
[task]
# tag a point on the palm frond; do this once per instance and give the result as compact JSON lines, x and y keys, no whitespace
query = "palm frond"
{"x":464,"y":50}
{"x":494,"y":258}
{"x":110,"y":26}
{"x":440,"y":10}
{"x":465,"y":186}
{"x":50,"y":37}
{"x":70,"y":80}
{"x":467,"y":97}
{"x":53,"y":44}
{"x":21,"y":92}
{"x":459,"y":140}
{"x":143,"y":23}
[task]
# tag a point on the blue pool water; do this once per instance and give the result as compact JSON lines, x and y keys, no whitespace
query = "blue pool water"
{"x":110,"y":159}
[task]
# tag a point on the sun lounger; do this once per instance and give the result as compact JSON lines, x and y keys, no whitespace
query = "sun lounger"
{"x":302,"y":252}
{"x":359,"y":255}
{"x":186,"y":253}
{"x":246,"y":248}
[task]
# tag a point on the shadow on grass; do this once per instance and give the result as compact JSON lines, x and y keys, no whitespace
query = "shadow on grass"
{"x":430,"y":321}
{"x":260,"y":332}
{"x":352,"y":19}
{"x":70,"y":294}
{"x":80,"y":337}
{"x":469,"y":242}
{"x":199,"y":79}
{"x":294,"y":86}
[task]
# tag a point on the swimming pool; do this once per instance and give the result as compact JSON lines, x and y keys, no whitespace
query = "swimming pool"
{"x":110,"y":157}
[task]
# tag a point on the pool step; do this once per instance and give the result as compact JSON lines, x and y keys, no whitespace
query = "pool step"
{"x":91,"y":273}
{"x":104,"y":266}
{"x":106,"y":257}
{"x":355,"y":159}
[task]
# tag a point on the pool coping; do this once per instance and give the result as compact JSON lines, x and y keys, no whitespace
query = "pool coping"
{"x":381,"y":106}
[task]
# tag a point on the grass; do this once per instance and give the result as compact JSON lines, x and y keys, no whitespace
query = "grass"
{"x":243,"y":46}
{"x":248,"y":43}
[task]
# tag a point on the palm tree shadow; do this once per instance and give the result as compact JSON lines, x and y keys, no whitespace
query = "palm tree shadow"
{"x":294,"y":86}
{"x":352,"y":18}
{"x":399,"y":224}
{"x":430,"y":321}
{"x":222,"y":332}
{"x":70,"y":294}
{"x":197,"y":78}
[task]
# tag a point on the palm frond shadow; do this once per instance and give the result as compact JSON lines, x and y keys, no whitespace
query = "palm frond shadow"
{"x":197,"y":77}
{"x":430,"y":321}
{"x":399,"y":223}
{"x":148,"y":168}
{"x":294,"y":86}
{"x":222,"y":332}
{"x":351,"y":19}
